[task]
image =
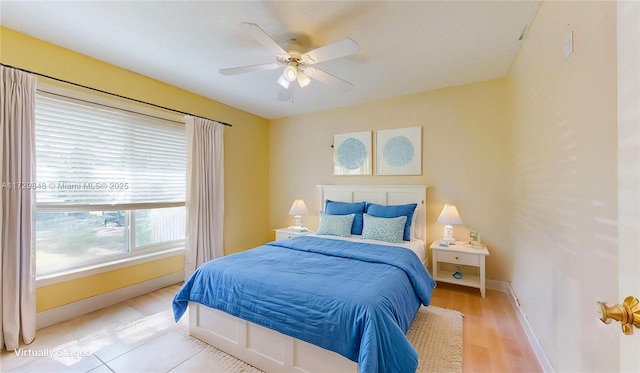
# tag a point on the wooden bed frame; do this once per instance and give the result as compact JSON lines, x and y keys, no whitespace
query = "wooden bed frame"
{"x":272,"y":351}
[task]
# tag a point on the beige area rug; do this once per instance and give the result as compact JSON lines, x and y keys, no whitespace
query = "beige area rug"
{"x":436,"y":333}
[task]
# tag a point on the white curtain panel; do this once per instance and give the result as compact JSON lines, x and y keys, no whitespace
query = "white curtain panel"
{"x":17,"y":166}
{"x":205,"y":192}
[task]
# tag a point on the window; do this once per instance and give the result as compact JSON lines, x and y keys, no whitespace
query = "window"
{"x":110,"y":183}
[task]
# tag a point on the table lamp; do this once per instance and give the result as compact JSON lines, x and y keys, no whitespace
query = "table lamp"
{"x":449,"y":217}
{"x":298,"y":208}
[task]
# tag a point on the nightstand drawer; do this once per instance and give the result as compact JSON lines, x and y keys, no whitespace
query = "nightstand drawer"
{"x":459,"y":258}
{"x":287,"y":233}
{"x":285,"y":236}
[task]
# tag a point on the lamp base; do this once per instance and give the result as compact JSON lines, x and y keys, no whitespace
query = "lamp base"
{"x":297,"y":224}
{"x":448,"y":235}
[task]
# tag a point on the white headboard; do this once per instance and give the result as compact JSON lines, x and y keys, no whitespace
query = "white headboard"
{"x":382,"y":195}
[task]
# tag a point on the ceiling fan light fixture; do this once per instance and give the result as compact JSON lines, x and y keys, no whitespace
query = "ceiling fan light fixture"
{"x":303,"y":79}
{"x":290,"y":73}
{"x":297,"y":61}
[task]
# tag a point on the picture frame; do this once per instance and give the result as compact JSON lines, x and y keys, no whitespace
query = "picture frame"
{"x":474,"y":240}
{"x":399,"y":151}
{"x":352,"y":153}
{"x":474,"y":236}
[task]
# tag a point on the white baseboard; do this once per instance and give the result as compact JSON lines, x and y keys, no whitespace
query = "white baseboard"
{"x":505,"y":287}
{"x":544,"y":361}
{"x":79,"y":308}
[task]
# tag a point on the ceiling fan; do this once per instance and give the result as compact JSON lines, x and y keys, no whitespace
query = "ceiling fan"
{"x":297,"y":62}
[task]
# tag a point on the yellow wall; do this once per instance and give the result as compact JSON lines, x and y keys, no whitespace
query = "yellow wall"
{"x":465,"y":147}
{"x":246,"y":144}
{"x":56,"y":295}
{"x":564,"y":220}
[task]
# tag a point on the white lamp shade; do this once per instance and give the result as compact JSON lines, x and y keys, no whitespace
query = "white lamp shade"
{"x":303,"y":80}
{"x":283,"y":82}
{"x":449,"y":216}
{"x":298,"y":208}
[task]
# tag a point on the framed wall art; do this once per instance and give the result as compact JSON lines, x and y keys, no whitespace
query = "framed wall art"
{"x":352,"y":153}
{"x":399,"y":151}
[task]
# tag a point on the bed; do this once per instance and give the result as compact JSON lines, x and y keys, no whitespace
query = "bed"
{"x":319,"y":302}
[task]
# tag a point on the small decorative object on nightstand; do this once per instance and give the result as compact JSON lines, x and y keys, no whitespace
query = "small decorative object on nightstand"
{"x":288,"y":233}
{"x":460,"y":255}
{"x":457,"y":274}
{"x":474,"y":240}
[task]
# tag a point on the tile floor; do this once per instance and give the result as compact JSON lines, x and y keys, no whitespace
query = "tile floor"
{"x":133,"y":336}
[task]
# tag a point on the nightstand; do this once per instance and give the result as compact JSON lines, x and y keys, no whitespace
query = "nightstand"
{"x":462,"y":256}
{"x":287,"y":233}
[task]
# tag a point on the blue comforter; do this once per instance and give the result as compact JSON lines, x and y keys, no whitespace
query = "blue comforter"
{"x":356,"y":299}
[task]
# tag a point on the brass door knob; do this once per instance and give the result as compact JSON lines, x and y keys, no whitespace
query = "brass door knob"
{"x":627,"y":313}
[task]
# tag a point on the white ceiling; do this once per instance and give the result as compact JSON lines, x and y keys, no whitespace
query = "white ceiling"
{"x":405,"y":46}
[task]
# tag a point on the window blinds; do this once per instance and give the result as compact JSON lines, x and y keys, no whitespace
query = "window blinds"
{"x":91,"y":155}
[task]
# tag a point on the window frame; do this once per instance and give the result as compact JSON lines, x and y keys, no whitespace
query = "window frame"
{"x":133,"y":253}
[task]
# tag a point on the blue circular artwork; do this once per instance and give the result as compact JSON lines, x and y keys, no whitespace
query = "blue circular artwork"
{"x":352,"y":153}
{"x":398,"y":151}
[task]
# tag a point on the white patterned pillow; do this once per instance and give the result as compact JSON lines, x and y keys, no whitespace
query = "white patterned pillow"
{"x":335,"y":225}
{"x":384,"y":229}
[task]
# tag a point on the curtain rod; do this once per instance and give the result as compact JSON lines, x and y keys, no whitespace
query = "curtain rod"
{"x":112,"y":94}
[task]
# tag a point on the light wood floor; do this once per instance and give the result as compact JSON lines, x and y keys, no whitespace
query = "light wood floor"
{"x":137,"y":335}
{"x":493,"y":339}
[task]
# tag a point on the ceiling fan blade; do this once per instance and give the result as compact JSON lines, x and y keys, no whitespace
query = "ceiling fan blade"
{"x":247,"y":69}
{"x":342,"y":48}
{"x":328,"y":79}
{"x":264,"y":39}
{"x":286,"y":94}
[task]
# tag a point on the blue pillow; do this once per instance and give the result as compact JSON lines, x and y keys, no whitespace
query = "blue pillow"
{"x":335,"y":225}
{"x":346,"y":208}
{"x":393,"y":211}
{"x":383,"y":229}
